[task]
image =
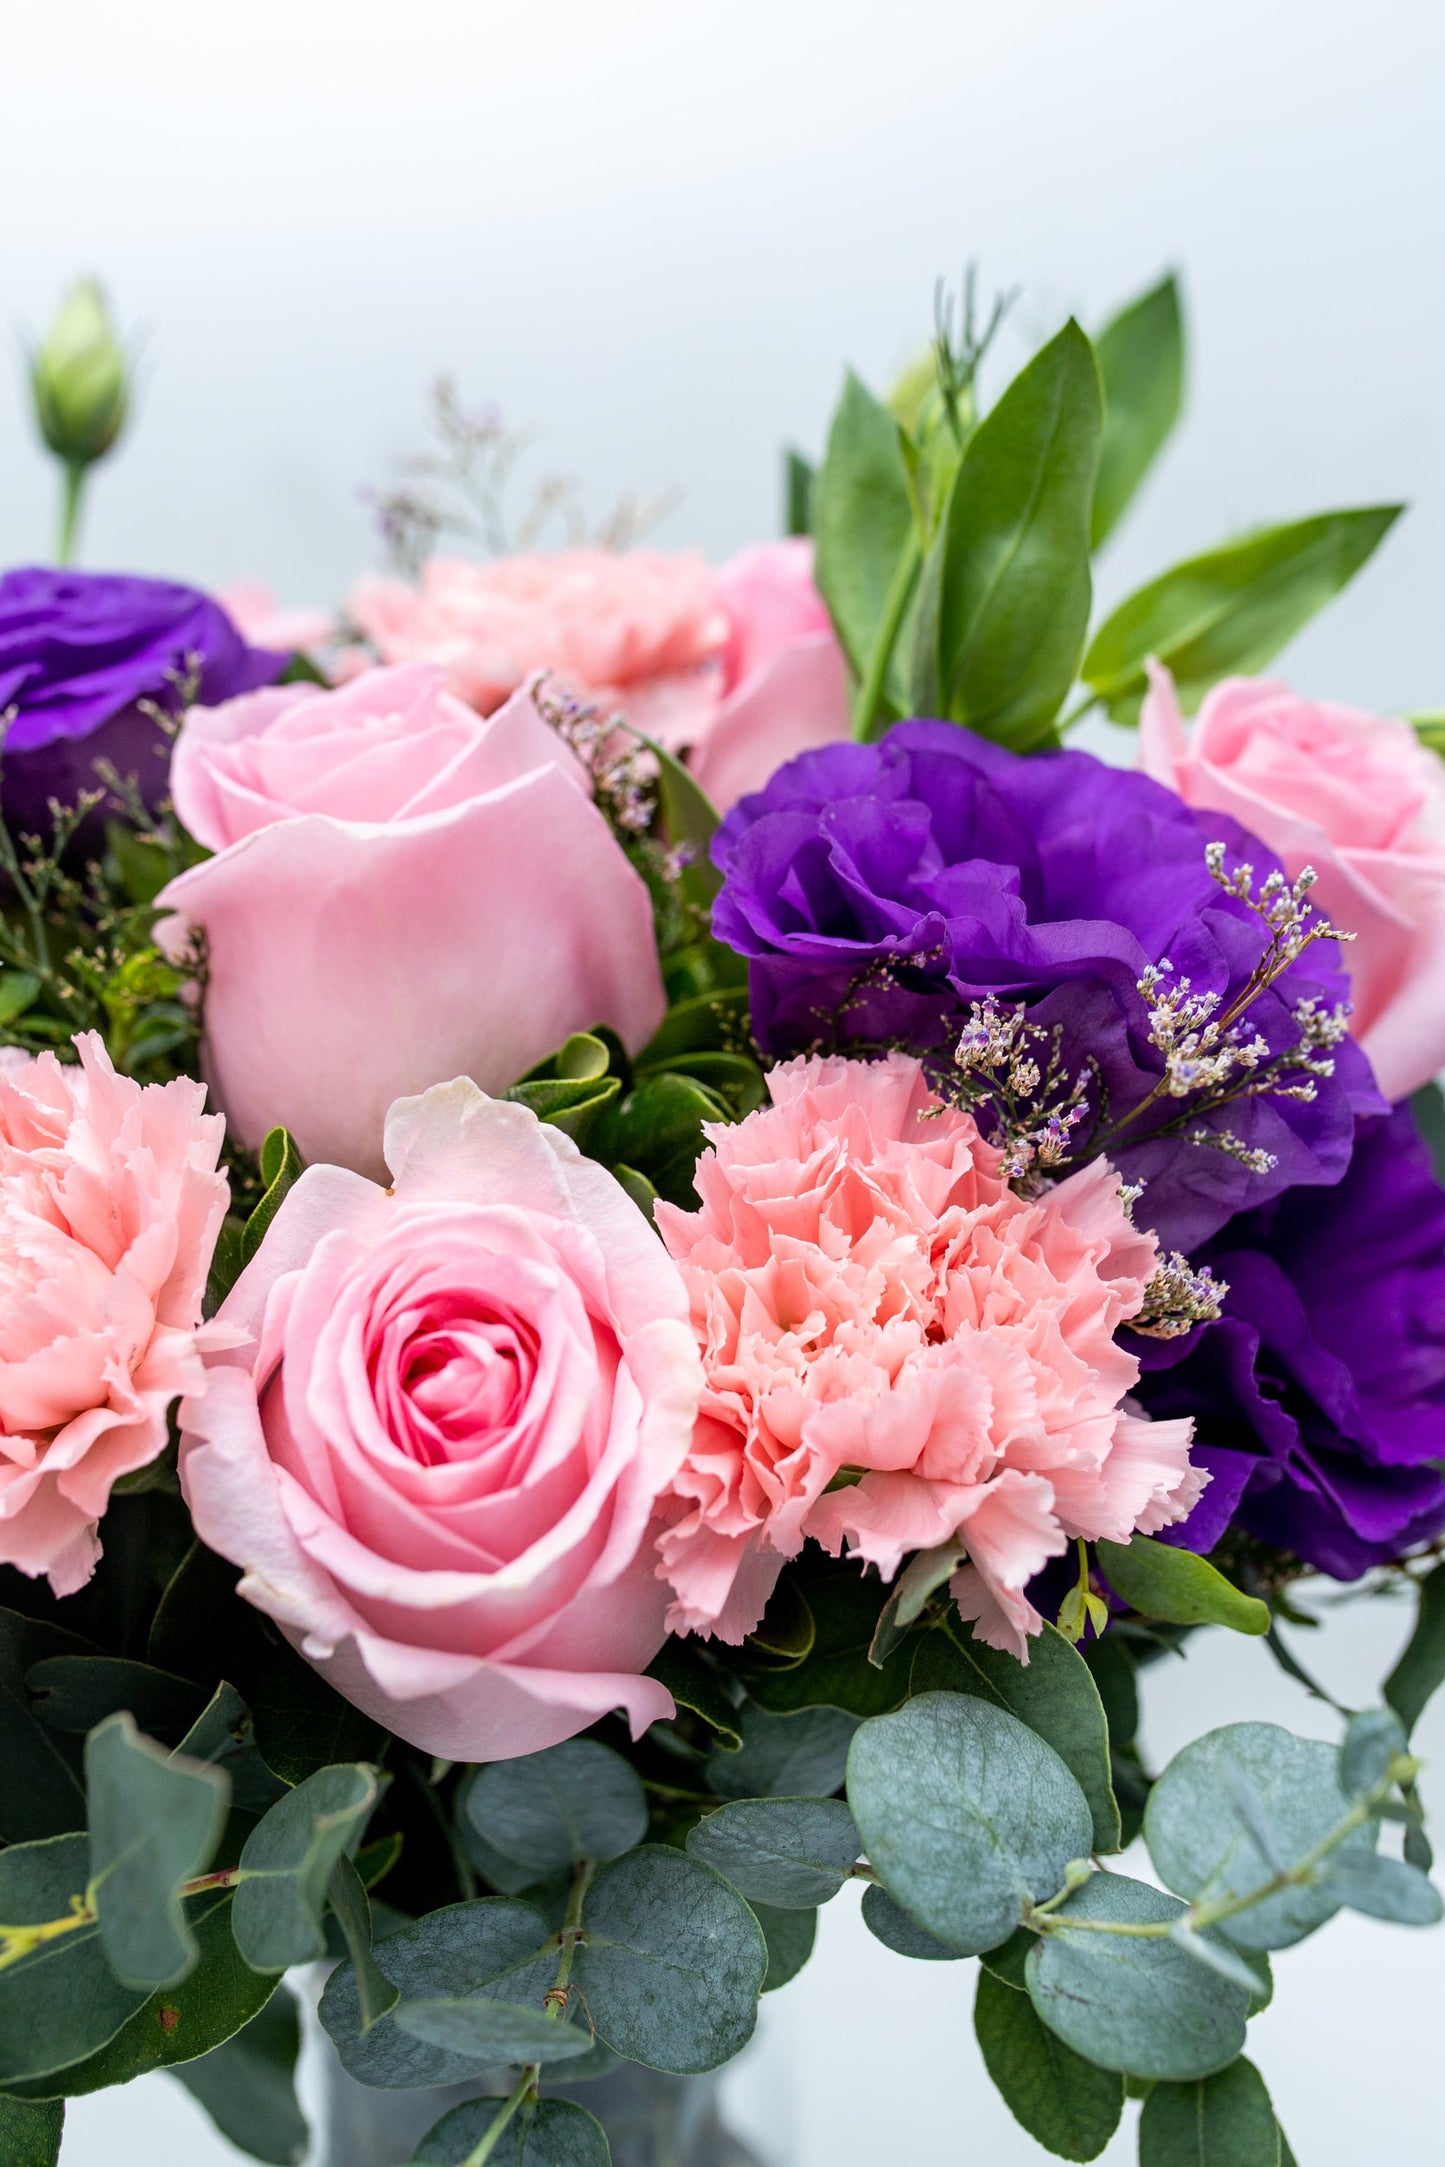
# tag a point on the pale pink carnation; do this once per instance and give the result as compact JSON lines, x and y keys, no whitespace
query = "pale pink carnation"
{"x":110,"y":1204}
{"x":872,"y":1299}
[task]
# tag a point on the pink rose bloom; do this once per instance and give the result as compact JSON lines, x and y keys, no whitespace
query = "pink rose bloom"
{"x":1360,"y":799}
{"x":630,"y":629}
{"x":402,"y":892}
{"x":873,"y":1300}
{"x":110,"y":1204}
{"x":784,"y":687}
{"x":439,"y":1466}
{"x":261,"y":620}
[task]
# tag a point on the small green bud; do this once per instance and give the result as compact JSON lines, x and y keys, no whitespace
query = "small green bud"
{"x":79,"y":379}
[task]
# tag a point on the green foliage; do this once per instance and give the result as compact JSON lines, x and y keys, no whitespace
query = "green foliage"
{"x":1428,"y":1107}
{"x":76,"y":1692}
{"x":155,"y":1820}
{"x":1421,"y":1668}
{"x":1071,"y":2107}
{"x":966,"y":1815}
{"x":798,"y":480}
{"x":554,"y":2133}
{"x":657,"y":1128}
{"x":248,"y":2084}
{"x":689,"y":821}
{"x":673,"y":1961}
{"x":1141,"y":360}
{"x":790,"y":1936}
{"x":835,"y":1673}
{"x":1128,"y":2003}
{"x":224,"y":1735}
{"x":694,"y":1683}
{"x":351,"y":1909}
{"x":485,"y":2033}
{"x":30,"y":2134}
{"x":791,"y":1756}
{"x":62,"y":2001}
{"x":891,"y":1925}
{"x":1053,"y":1693}
{"x":1229,"y":611}
{"x":1161,"y":1581}
{"x":1220,"y":2121}
{"x":1373,"y":1742}
{"x":281,"y":1168}
{"x":288,"y":1861}
{"x":790,"y":1852}
{"x":552,"y":1810}
{"x":43,"y":1793}
{"x":1384,"y":1888}
{"x":862,"y":518}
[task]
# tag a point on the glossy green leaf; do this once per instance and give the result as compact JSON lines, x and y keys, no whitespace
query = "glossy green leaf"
{"x":484,"y":2032}
{"x":248,"y":2085}
{"x":787,"y":1631}
{"x":19,"y":990}
{"x":1229,"y":611}
{"x":555,"y":2133}
{"x":63,"y":2001}
{"x":1161,"y":1581}
{"x":1130,"y":2003}
{"x":351,"y":1908}
{"x":792,"y":1852}
{"x":791,"y":1756}
{"x":862,"y":518}
{"x":74,"y":1693}
{"x":155,"y":1820}
{"x":690,"y":821}
{"x":694,"y":1683}
{"x":836,"y":1673}
{"x":790,"y":1935}
{"x":673,"y":1961}
{"x":43,"y":1793}
{"x":1421,"y":1669}
{"x":1141,"y":360}
{"x":1054,"y":1693}
{"x":30,"y":2133}
{"x":921,"y":1578}
{"x":1067,"y":2104}
{"x":658,"y":1128}
{"x":966,"y":1815}
{"x":891,"y":1925}
{"x":288,"y":1861}
{"x":1220,"y":2121}
{"x":798,"y":480}
{"x":1005,"y":600}
{"x":281,"y":1168}
{"x":224,"y":1735}
{"x":554,"y":1809}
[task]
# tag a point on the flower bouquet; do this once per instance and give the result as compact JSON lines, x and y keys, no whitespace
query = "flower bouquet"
{"x":649,"y":1248}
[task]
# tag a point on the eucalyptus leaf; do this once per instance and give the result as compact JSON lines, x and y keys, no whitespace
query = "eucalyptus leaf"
{"x":1385,"y":1888}
{"x":155,"y":1821}
{"x":352,"y":1910}
{"x":673,"y":1961}
{"x":1161,"y":1581}
{"x":552,"y":1810}
{"x":484,"y":2032}
{"x":288,"y":1861}
{"x":62,"y":2001}
{"x":555,"y":2133}
{"x":791,"y":1852}
{"x":1229,"y":611}
{"x":966,"y":1815}
{"x":1071,"y":2107}
{"x":30,"y":2133}
{"x":923,"y":1575}
{"x":889,"y":1923}
{"x":1131,"y":2003}
{"x":1141,"y":360}
{"x":790,"y":1936}
{"x":862,"y":518}
{"x":224,"y":1735}
{"x":1220,"y":2121}
{"x":1216,"y":1955}
{"x":1421,"y":1668}
{"x":1372,"y":1742}
{"x":247,"y":2085}
{"x":790,"y":1756}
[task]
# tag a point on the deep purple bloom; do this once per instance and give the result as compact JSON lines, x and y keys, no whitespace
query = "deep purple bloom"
{"x":878,"y":889}
{"x":1319,"y":1395}
{"x":78,"y":652}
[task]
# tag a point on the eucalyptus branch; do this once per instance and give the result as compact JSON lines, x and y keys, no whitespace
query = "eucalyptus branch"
{"x":554,"y":2005}
{"x":20,"y":1941}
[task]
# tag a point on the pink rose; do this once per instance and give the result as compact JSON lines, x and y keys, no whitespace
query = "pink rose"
{"x":110,"y":1204}
{"x":439,"y":1467}
{"x":1360,"y":799}
{"x":262,"y":622}
{"x":784,"y":684}
{"x":401,"y":892}
{"x":874,"y":1302}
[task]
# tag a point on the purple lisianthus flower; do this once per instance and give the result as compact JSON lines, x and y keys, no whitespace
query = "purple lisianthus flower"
{"x":1318,"y":1396}
{"x":879,"y":890}
{"x":78,"y":652}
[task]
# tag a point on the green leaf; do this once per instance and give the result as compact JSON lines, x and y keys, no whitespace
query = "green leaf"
{"x":1372,"y":1742}
{"x":1231,"y":610}
{"x":1130,"y":2003}
{"x":1385,"y":1888}
{"x":247,"y":2085}
{"x":836,"y":1672}
{"x":790,"y":1936}
{"x":1421,"y":1669}
{"x":862,"y":518}
{"x":891,"y":1925}
{"x":155,"y":1821}
{"x":1062,"y":2100}
{"x":76,"y":1692}
{"x":484,"y":2032}
{"x":795,"y":1756}
{"x":554,"y":1809}
{"x":673,"y":1961}
{"x":1161,"y":1581}
{"x":1007,"y":589}
{"x":703,"y":1023}
{"x":63,"y":2001}
{"x":281,"y":1168}
{"x":787,"y":1632}
{"x":288,"y":1862}
{"x":44,"y":1789}
{"x":352,"y":1910}
{"x":1233,"y":1796}
{"x":965,"y":1814}
{"x":493,"y":1946}
{"x":690,"y":821}
{"x":1220,"y":2121}
{"x":223,"y":1734}
{"x":798,"y":481}
{"x":658,"y":1128}
{"x":1141,"y":360}
{"x":1054,"y":1693}
{"x":30,"y":2134}
{"x":1428,"y":1107}
{"x":792,"y":1852}
{"x":693,"y":1683}
{"x":19,"y":990}
{"x":924,"y":1574}
{"x":555,"y":2133}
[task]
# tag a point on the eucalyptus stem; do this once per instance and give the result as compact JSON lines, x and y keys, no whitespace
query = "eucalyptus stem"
{"x":72,"y":491}
{"x":18,"y":1941}
{"x":481,"y":2153}
{"x":895,"y":606}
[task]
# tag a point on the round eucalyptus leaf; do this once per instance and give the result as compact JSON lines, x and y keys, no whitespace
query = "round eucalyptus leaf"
{"x":966,"y":1815}
{"x":486,"y":2032}
{"x":1131,"y":2003}
{"x":788,"y":1756}
{"x":893,"y":1927}
{"x":1220,"y":2121}
{"x":790,"y":1936}
{"x":1386,"y":1888}
{"x":786,"y":1851}
{"x":1238,"y":1805}
{"x":554,"y":2134}
{"x":551,"y":1810}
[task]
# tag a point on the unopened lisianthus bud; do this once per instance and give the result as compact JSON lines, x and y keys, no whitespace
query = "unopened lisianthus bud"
{"x":80,"y":380}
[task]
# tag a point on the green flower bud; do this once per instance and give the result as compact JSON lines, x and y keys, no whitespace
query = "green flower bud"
{"x":79,"y":379}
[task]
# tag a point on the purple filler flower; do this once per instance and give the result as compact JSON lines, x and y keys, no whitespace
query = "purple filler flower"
{"x":1319,"y":1395}
{"x":877,"y":890}
{"x":78,"y":652}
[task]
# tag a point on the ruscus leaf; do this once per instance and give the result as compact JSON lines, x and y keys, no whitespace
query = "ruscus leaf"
{"x":1221,"y":2121}
{"x":1141,"y":360}
{"x":862,"y":517}
{"x":30,"y":2133}
{"x":1161,"y":1581}
{"x":1071,"y":2107}
{"x":248,"y":2084}
{"x":1421,"y":1669}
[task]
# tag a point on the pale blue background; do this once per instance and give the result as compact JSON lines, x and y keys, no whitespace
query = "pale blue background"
{"x":657,"y":228}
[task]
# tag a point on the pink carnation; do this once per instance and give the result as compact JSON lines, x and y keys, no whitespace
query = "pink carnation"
{"x":110,"y":1204}
{"x":874,"y":1301}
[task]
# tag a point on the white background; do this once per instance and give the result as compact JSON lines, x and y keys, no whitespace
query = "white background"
{"x":657,"y":228}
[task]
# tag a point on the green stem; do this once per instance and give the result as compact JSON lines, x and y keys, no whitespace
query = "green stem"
{"x":70,"y":511}
{"x":900,"y":593}
{"x":483,"y":2152}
